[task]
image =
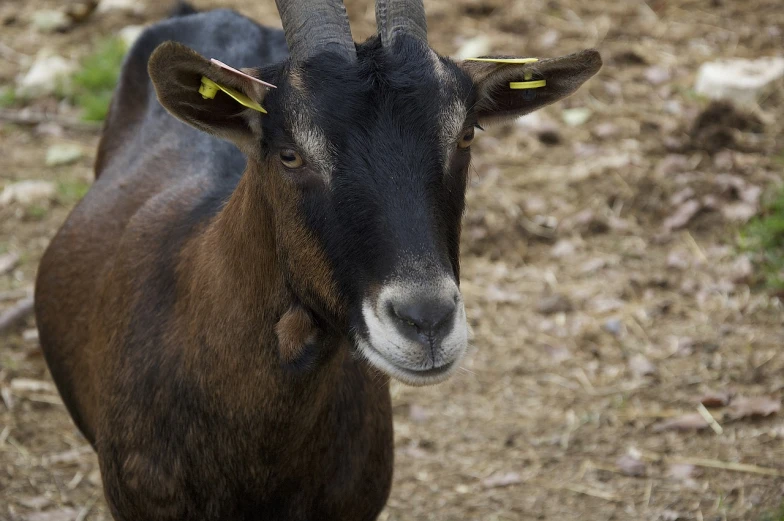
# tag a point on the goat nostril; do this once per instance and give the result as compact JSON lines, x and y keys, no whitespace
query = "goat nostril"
{"x":426,"y":316}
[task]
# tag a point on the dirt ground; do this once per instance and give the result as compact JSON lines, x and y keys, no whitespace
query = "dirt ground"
{"x":601,"y":273}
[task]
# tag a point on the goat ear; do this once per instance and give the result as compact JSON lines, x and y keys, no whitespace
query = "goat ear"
{"x":498,"y":101}
{"x":176,"y":72}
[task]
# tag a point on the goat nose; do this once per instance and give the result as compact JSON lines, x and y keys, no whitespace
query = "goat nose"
{"x":422,"y":319}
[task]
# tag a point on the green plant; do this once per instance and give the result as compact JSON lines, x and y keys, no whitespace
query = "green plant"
{"x":72,"y":191}
{"x":36,"y":212}
{"x":764,"y":237}
{"x":93,"y":84}
{"x":776,"y":515}
{"x":8,"y":97}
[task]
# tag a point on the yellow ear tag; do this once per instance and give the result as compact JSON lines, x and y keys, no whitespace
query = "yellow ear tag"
{"x":520,"y":85}
{"x":503,"y":60}
{"x":209,"y":88}
{"x":516,"y":85}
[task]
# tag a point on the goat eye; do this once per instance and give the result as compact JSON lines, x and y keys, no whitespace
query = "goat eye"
{"x":466,"y":139}
{"x":290,"y":158}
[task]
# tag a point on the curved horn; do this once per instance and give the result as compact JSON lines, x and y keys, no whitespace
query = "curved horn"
{"x":400,"y":16}
{"x":316,"y":26}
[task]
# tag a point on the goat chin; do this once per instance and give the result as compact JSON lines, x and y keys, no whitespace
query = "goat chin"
{"x":415,"y":378}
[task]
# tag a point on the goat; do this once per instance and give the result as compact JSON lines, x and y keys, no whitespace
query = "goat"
{"x":222,"y":311}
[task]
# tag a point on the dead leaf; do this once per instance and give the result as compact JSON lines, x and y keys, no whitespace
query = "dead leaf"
{"x":8,"y":262}
{"x":502,"y":479}
{"x":715,"y":399}
{"x":602,"y":305}
{"x":739,"y":212}
{"x":657,"y":75}
{"x":592,"y":265}
{"x":605,"y":130}
{"x":681,"y":471}
{"x":35,"y":503}
{"x":629,"y":465}
{"x":754,"y":407}
{"x":63,"y":514}
{"x":558,"y":353}
{"x":21,"y":385}
{"x":555,"y":303}
{"x":585,"y":222}
{"x":497,"y":294}
{"x":684,"y":346}
{"x":641,"y":366}
{"x":741,"y":270}
{"x":686,"y":422}
{"x":681,"y":196}
{"x":682,"y":215}
{"x":418,"y":414}
{"x":672,"y":164}
{"x":562,"y":248}
{"x":678,"y":259}
{"x":671,"y":515}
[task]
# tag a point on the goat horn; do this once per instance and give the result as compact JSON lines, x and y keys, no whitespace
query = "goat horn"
{"x":317,"y":26}
{"x":394,"y":17}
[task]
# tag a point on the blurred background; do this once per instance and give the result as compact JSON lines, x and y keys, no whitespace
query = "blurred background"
{"x":623,"y":264}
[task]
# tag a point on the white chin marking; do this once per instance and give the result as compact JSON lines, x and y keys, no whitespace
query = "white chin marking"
{"x":412,"y":362}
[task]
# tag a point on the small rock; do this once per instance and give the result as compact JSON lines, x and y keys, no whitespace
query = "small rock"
{"x":641,"y":366}
{"x":473,"y":48}
{"x":63,"y":154}
{"x":130,"y":34}
{"x":548,"y":39}
{"x":563,"y":249}
{"x":613,"y":326}
{"x":129,"y":6}
{"x":44,"y":76}
{"x":739,"y":80}
{"x":49,"y":20}
{"x":555,"y":303}
{"x":657,"y":75}
{"x":27,"y":192}
{"x":94,"y":478}
{"x":30,"y":335}
{"x":576,"y":116}
{"x":629,"y":465}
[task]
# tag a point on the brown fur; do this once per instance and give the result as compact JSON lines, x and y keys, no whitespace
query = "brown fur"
{"x":195,"y":412}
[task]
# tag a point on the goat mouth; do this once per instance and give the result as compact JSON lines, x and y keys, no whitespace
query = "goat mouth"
{"x":415,"y":377}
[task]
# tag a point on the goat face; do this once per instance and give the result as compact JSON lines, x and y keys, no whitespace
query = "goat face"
{"x":363,"y":158}
{"x":378,"y":151}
